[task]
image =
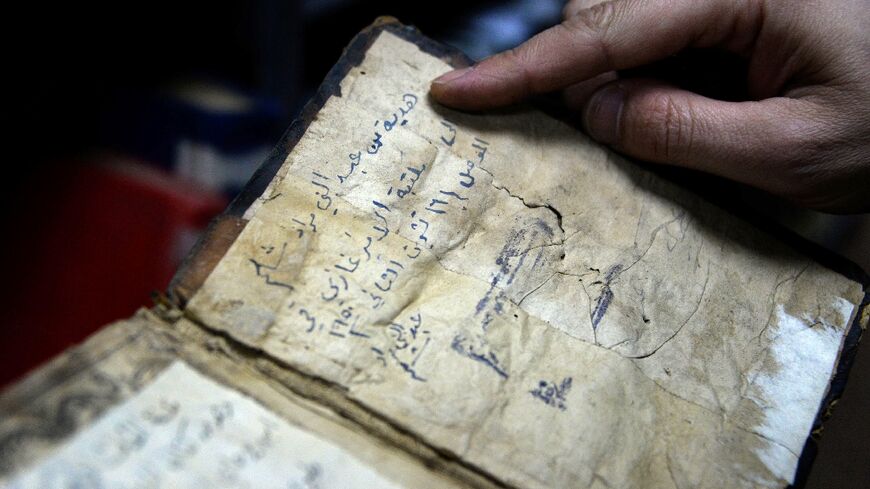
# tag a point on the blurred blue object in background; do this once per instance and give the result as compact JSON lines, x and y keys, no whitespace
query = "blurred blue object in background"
{"x":206,"y":133}
{"x":504,"y":26}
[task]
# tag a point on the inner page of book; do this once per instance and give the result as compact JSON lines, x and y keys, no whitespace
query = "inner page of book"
{"x":161,"y":403}
{"x":525,"y":300}
{"x":185,"y":430}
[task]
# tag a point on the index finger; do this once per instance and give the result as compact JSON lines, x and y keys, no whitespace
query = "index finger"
{"x":613,"y":35}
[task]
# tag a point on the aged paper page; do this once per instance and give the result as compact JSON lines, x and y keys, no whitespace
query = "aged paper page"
{"x":154,"y":403}
{"x":526,"y":301}
{"x":185,"y":430}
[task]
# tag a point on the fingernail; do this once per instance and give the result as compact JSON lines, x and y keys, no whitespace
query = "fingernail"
{"x":602,"y":114}
{"x":451,"y":76}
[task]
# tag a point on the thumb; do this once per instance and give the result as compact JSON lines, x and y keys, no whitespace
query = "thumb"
{"x":743,"y":141}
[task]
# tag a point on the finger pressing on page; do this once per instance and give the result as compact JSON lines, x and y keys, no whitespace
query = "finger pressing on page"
{"x":609,"y":36}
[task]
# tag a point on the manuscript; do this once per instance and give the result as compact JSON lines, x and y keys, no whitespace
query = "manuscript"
{"x":481,"y":300}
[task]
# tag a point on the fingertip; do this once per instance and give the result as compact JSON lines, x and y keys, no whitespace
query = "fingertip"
{"x":452,"y":76}
{"x":439,"y":91}
{"x":445,"y":87}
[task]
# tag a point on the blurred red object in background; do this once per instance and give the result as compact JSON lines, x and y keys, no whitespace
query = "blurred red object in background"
{"x":93,"y":240}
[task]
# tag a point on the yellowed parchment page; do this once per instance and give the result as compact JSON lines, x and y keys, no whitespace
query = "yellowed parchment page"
{"x":147,"y":403}
{"x":525,"y":300}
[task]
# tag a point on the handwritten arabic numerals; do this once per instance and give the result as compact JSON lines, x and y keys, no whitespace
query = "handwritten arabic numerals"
{"x":338,"y":328}
{"x":434,"y":206}
{"x":441,"y":206}
{"x":352,"y":321}
{"x":342,"y":327}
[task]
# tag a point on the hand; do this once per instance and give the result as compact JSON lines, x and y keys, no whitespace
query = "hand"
{"x":804,"y":133}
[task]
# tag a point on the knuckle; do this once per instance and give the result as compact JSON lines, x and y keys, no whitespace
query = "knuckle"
{"x":572,"y":7}
{"x":806,"y":185}
{"x":806,"y":160}
{"x":666,"y":128}
{"x":596,"y":18}
{"x":519,"y":62}
{"x":801,"y":147}
{"x":592,"y":24}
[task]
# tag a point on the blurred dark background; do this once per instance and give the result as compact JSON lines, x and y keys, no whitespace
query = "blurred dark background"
{"x":133,"y":123}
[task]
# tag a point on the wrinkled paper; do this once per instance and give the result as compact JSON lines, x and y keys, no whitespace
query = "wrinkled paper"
{"x":522,"y":298}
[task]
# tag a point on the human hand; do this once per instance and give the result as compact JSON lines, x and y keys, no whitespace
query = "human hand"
{"x":803,"y":135}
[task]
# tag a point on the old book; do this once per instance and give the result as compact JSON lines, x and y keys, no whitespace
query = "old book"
{"x":409,"y":296}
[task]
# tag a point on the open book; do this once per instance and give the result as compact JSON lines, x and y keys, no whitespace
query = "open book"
{"x":409,"y":296}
